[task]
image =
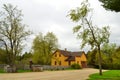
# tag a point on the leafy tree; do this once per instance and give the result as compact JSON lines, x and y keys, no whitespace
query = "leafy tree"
{"x":12,"y":32}
{"x":117,"y":54}
{"x":52,"y":41}
{"x":113,"y":5}
{"x":43,"y":47}
{"x":91,"y":35}
{"x":109,"y":50}
{"x":118,"y":49}
{"x":112,"y":54}
{"x":39,"y":49}
{"x":91,"y":57}
{"x":110,"y":57}
{"x":26,"y":56}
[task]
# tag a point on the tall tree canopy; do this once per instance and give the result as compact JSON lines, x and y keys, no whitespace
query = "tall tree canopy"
{"x":90,"y":34}
{"x":110,"y":56}
{"x":12,"y":32}
{"x":43,"y":47}
{"x":113,"y":5}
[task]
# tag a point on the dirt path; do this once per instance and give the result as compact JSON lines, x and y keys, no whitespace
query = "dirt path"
{"x":50,"y":75}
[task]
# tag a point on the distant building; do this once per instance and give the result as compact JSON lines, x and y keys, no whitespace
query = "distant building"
{"x":67,"y":58}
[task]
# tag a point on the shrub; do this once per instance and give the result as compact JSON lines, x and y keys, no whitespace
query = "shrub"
{"x":110,"y":66}
{"x":75,"y":66}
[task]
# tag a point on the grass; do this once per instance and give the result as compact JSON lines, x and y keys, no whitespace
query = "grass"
{"x":2,"y":71}
{"x":108,"y":75}
{"x":18,"y":71}
{"x":22,"y":71}
{"x":70,"y":69}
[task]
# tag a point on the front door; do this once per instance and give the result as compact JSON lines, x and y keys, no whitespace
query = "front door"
{"x":69,"y":63}
{"x":83,"y":64}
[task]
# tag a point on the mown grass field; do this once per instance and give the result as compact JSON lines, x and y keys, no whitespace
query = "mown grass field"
{"x":108,"y":75}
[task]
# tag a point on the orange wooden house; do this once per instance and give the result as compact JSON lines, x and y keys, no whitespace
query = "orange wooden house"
{"x":67,"y":58}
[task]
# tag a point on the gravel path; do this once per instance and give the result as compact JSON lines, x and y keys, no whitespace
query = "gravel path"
{"x":50,"y":75}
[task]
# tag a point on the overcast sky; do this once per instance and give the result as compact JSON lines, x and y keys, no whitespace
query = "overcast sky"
{"x":51,"y":16}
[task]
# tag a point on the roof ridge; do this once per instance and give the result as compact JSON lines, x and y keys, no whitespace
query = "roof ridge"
{"x":69,"y":53}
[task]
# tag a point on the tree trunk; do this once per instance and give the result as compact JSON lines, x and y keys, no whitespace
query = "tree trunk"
{"x":100,"y":60}
{"x":12,"y":64}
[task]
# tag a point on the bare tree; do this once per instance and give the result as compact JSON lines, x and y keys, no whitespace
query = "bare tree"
{"x":12,"y":32}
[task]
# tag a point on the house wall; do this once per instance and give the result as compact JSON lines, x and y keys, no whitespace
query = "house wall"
{"x":57,"y":57}
{"x":81,"y":60}
{"x":78,"y":60}
{"x":72,"y":62}
{"x":83,"y":57}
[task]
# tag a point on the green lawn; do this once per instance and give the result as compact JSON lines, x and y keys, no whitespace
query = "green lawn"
{"x":2,"y":71}
{"x":108,"y":75}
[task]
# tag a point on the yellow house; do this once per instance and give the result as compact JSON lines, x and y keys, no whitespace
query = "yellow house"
{"x":67,"y":58}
